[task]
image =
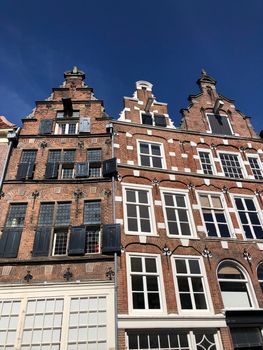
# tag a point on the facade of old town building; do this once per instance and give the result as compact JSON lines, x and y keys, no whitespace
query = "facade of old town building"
{"x":57,"y":284}
{"x":189,"y":202}
{"x":132,"y":233}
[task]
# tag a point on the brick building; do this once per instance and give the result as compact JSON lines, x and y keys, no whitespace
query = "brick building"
{"x":56,"y":273}
{"x":189,"y":202}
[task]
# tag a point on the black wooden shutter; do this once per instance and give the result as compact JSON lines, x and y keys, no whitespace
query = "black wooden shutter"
{"x":45,"y":127}
{"x":30,"y":170}
{"x":77,"y":240}
{"x":111,"y":242}
{"x":22,"y":171}
{"x":219,"y":124}
{"x":11,"y":240}
{"x":147,"y":119}
{"x":82,"y":169}
{"x":109,"y":167}
{"x":42,"y":241}
{"x":51,"y":171}
{"x":3,"y":241}
{"x":84,"y":124}
{"x":160,"y":120}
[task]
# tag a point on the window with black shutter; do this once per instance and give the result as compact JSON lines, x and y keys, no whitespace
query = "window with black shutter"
{"x":77,"y":240}
{"x":45,"y":127}
{"x":219,"y":124}
{"x":111,"y":239}
{"x":82,"y":170}
{"x":94,"y":157}
{"x":53,"y":229}
{"x":92,"y":222}
{"x":11,"y":236}
{"x":26,"y":166}
{"x":109,"y":167}
{"x":60,"y":164}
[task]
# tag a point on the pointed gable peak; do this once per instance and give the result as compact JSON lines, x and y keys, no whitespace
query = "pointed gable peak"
{"x":205,"y":79}
{"x":74,"y":73}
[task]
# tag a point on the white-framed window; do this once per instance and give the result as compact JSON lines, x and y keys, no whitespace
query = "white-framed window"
{"x":151,"y":154}
{"x":57,"y":317}
{"x":236,"y":289}
{"x":232,"y":165}
{"x":66,"y":128}
{"x":256,"y":166}
{"x":144,"y":282}
{"x":138,"y":210}
{"x":249,"y":217}
{"x":206,"y":160}
{"x":172,"y":339}
{"x":190,"y":285}
{"x":219,"y":124}
{"x":154,"y":119}
{"x":214,"y":215}
{"x":177,"y":213}
{"x":68,"y":114}
{"x":260,"y":275}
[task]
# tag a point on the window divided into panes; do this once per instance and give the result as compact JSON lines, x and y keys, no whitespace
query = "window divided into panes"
{"x":255,"y":167}
{"x":55,"y":219}
{"x":189,"y":281}
{"x":177,"y":214}
{"x":138,"y":211}
{"x":55,"y":322}
{"x":88,"y":323}
{"x":60,"y":164}
{"x":26,"y":167}
{"x":234,"y":286}
{"x":144,"y":283}
{"x":247,"y":338}
{"x":170,"y":339}
{"x":94,"y":158}
{"x":214,"y":215}
{"x":68,"y":114}
{"x":151,"y":155}
{"x":92,"y":221}
{"x":43,"y":323}
{"x":206,"y":163}
{"x":249,"y":217}
{"x":16,"y":215}
{"x":64,"y":128}
{"x":260,"y":275}
{"x":231,"y":165}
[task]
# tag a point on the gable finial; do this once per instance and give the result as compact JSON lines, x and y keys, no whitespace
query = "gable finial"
{"x":75,"y":70}
{"x":203,"y":72}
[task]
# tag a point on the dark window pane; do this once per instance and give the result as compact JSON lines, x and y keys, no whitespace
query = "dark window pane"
{"x":137,"y":283}
{"x":239,"y":204}
{"x":132,"y":225}
{"x":250,"y":204}
{"x":154,"y":341}
{"x":131,"y":210}
{"x":170,"y":214}
{"x":220,"y":217}
{"x":243,"y":218}
{"x":157,"y":162}
{"x":136,"y":264}
{"x":143,"y":198}
{"x":186,"y":302}
{"x":164,"y":341}
{"x":174,"y":340}
{"x":94,"y":155}
{"x":130,"y":195}
{"x":180,"y":266}
{"x":185,"y":229}
{"x":152,"y":283}
{"x":153,"y":300}
{"x":169,"y":200}
{"x":208,"y":217}
{"x":173,"y":228}
{"x":248,"y":232}
{"x":145,"y":225}
{"x":69,"y":156}
{"x":133,"y":341}
{"x":194,"y":266}
{"x":16,"y":215}
{"x":144,"y":148}
{"x":184,"y":340}
{"x":144,"y":211}
{"x":92,"y":213}
{"x":197,"y":284}
{"x":145,"y":160}
{"x":200,"y":302}
{"x":182,"y":215}
{"x":156,"y":150}
{"x":254,"y":218}
{"x":46,"y":214}
{"x":138,"y":301}
{"x":258,"y":232}
{"x":260,"y":271}
{"x":143,"y":339}
{"x":211,"y":230}
{"x":224,"y":231}
{"x":63,"y":214}
{"x":183,"y":284}
{"x":180,"y":201}
{"x":150,"y":265}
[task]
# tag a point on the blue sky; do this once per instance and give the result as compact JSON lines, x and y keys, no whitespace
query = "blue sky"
{"x":119,"y":42}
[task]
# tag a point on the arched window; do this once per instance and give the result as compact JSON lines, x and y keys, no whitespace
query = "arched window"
{"x":234,"y":285}
{"x":260,"y":275}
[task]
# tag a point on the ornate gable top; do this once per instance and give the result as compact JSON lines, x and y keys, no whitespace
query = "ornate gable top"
{"x":205,"y":78}
{"x":74,"y":73}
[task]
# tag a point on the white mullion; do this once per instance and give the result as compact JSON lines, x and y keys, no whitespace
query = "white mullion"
{"x":138,"y":210}
{"x":144,"y":281}
{"x":21,"y":321}
{"x":177,"y":221}
{"x":215,"y":222}
{"x":189,"y":279}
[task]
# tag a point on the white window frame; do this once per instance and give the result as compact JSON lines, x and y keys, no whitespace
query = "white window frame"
{"x":249,"y":285}
{"x":210,"y":309}
{"x":260,"y":281}
{"x":209,"y":131}
{"x":61,"y":291}
{"x":242,"y":166}
{"x":150,"y":155}
{"x":157,"y":258}
{"x":67,"y":127}
{"x":192,"y":225}
{"x":259,"y":212}
{"x":256,"y":156}
{"x":206,"y":150}
{"x":135,"y":187}
{"x":226,"y":212}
